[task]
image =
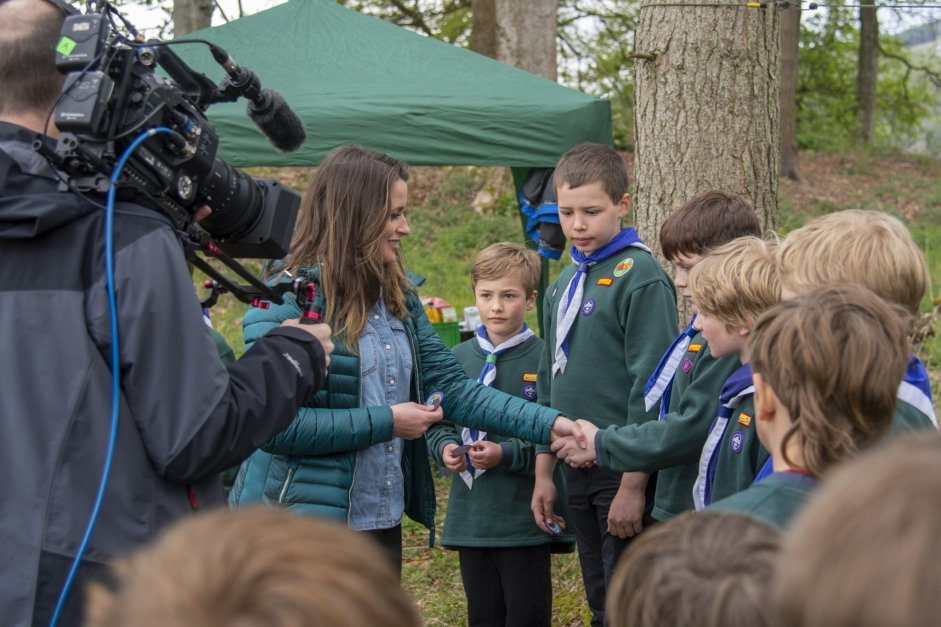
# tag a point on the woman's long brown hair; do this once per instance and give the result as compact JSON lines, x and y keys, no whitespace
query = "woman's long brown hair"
{"x":341,"y":226}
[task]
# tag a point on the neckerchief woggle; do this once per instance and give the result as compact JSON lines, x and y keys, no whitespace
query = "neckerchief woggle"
{"x":568,"y":309}
{"x":660,"y":384}
{"x":487,"y":376}
{"x":736,"y":387}
{"x":915,"y":389}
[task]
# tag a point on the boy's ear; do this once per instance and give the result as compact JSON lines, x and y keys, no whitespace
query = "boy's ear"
{"x":531,"y":299}
{"x":766,"y":401}
{"x":624,"y":205}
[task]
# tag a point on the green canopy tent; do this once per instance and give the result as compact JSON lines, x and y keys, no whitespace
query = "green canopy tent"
{"x":353,"y":78}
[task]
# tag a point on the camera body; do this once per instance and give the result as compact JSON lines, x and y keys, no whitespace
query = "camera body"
{"x":112,"y":94}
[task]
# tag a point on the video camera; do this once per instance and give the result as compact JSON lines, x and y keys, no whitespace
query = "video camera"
{"x":112,"y":96}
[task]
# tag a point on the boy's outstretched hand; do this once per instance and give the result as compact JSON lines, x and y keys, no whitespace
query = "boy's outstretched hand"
{"x":572,"y":453}
{"x":563,"y":427}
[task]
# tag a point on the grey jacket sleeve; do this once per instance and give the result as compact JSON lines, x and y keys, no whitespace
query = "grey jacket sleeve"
{"x":195,"y":416}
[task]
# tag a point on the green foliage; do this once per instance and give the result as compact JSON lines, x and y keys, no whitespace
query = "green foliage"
{"x":826,"y":90}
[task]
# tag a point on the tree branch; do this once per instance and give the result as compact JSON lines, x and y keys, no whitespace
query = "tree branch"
{"x":933,"y":75}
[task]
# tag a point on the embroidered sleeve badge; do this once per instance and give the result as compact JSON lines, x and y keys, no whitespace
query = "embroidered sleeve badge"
{"x":606,"y":281}
{"x":624,"y":267}
{"x":744,"y":420}
{"x":529,"y":376}
{"x":695,"y":348}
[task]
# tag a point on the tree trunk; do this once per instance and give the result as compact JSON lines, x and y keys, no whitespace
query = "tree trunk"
{"x":706,"y":112}
{"x":867,"y":71}
{"x":191,"y":15}
{"x":790,"y":48}
{"x":521,"y":34}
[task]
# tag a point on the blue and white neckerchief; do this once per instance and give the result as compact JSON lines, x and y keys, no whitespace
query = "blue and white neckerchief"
{"x":915,"y":389}
{"x":736,"y":387}
{"x":660,"y":384}
{"x":571,"y":302}
{"x":487,"y":376}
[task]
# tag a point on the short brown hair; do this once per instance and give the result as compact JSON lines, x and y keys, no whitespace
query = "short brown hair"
{"x":589,"y":163}
{"x":705,"y":569}
{"x":706,"y":221}
{"x":28,"y":74}
{"x":254,"y":567}
{"x":854,"y":246}
{"x":504,"y":258}
{"x":864,"y":552}
{"x":834,"y":357}
{"x":736,"y":282}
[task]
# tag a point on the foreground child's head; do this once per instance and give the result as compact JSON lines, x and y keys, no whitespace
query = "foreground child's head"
{"x":504,"y":277}
{"x":731,"y":286}
{"x":866,"y":247}
{"x":704,"y":222}
{"x":866,"y":549}
{"x":701,"y":569}
{"x":591,"y":185}
{"x":257,"y":567}
{"x":826,"y":367}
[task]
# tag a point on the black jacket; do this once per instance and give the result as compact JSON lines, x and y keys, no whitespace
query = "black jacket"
{"x":183,"y":415}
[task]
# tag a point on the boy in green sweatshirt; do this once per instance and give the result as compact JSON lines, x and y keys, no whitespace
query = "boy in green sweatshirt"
{"x":688,"y":379}
{"x":825,"y":368}
{"x":607,"y":319}
{"x":504,"y":555}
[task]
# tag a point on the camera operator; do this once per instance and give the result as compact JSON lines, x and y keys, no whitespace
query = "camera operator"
{"x":183,"y":415}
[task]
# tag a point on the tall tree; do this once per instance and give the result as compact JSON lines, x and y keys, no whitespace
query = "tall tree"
{"x":790,"y":49}
{"x":522,"y":34}
{"x":867,"y":71}
{"x":706,"y":111}
{"x":191,"y":15}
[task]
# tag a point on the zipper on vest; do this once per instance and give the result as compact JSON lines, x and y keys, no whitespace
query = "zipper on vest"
{"x":284,"y":486}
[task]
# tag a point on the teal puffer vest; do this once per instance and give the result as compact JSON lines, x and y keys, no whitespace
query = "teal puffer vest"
{"x":309,"y":466}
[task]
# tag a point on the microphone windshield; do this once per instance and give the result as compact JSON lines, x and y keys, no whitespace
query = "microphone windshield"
{"x":283,"y":128}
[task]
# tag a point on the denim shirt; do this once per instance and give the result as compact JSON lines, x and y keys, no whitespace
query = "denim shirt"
{"x":377,"y":498}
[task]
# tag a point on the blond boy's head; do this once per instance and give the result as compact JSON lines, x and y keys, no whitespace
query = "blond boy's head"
{"x":866,"y":247}
{"x":833,"y":358}
{"x":256,"y":567}
{"x":505,"y":259}
{"x":700,"y":569}
{"x":865,"y":551}
{"x":736,"y":282}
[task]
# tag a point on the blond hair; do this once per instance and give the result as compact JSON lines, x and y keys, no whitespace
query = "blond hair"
{"x":834,"y":358}
{"x":867,"y":247}
{"x":736,"y":282}
{"x":700,"y":569}
{"x":505,"y":258}
{"x":864,"y":552}
{"x":254,"y":567}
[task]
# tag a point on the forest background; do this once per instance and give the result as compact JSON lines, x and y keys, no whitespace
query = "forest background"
{"x":864,"y":132}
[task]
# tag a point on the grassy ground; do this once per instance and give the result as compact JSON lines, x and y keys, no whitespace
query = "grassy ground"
{"x":446,"y":234}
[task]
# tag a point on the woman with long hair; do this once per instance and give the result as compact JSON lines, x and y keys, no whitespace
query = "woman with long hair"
{"x":357,"y":451}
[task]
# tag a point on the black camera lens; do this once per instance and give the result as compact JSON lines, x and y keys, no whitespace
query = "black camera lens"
{"x":237,"y":201}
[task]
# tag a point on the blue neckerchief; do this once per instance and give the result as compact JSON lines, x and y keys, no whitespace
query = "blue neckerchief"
{"x":737,"y":386}
{"x":915,"y":389}
{"x":488,"y":374}
{"x":568,"y":309}
{"x":660,"y":384}
{"x":765,"y":471}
